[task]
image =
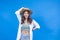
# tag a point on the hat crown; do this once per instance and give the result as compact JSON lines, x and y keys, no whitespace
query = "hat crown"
{"x":25,"y":9}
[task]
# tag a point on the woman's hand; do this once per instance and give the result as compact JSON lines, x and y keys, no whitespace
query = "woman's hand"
{"x":21,"y":9}
{"x":34,"y":28}
{"x":18,"y":11}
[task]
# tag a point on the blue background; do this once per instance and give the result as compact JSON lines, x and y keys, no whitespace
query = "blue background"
{"x":45,"y":12}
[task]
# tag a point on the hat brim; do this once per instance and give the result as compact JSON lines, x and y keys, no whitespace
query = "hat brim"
{"x":25,"y":9}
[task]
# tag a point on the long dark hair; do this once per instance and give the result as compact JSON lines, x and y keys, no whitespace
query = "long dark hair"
{"x":29,"y":20}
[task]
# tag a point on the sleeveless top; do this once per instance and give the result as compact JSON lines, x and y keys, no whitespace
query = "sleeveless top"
{"x":25,"y":29}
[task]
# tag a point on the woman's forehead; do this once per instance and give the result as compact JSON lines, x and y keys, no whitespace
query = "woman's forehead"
{"x":26,"y":12}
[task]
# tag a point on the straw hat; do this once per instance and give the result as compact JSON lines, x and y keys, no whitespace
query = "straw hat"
{"x":25,"y":9}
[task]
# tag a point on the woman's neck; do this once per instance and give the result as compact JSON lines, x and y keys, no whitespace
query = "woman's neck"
{"x":25,"y":20}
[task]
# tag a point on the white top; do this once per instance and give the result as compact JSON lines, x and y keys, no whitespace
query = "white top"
{"x":33,"y":24}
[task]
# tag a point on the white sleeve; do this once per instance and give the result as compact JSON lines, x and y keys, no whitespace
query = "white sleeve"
{"x":18,"y":16}
{"x":19,"y":19}
{"x":18,"y":34}
{"x":36,"y":25}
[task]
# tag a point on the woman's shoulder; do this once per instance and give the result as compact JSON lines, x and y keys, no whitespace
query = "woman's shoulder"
{"x":33,"y":20}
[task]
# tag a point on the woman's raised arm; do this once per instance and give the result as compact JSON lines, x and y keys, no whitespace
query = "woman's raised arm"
{"x":18,"y":14}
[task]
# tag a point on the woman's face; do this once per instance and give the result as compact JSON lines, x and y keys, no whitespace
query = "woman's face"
{"x":26,"y":14}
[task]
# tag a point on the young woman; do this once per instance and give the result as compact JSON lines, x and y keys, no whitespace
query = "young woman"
{"x":26,"y":24}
